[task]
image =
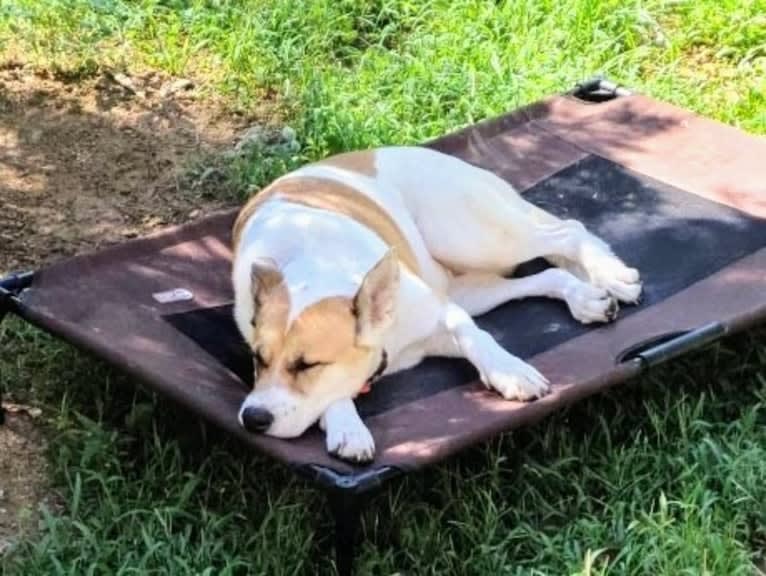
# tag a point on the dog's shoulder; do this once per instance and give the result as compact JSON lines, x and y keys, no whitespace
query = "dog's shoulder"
{"x":385,"y":162}
{"x":363,"y":162}
{"x":344,"y":185}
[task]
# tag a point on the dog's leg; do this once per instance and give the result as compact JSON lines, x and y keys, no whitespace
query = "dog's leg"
{"x":589,"y":258}
{"x":569,"y":243}
{"x":458,"y":336}
{"x":498,"y":230}
{"x":478,"y":293}
{"x":346,"y":435}
{"x":498,"y":369}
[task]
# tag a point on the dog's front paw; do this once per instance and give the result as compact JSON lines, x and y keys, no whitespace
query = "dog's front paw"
{"x":513,"y":378}
{"x":607,"y":271}
{"x":351,"y":441}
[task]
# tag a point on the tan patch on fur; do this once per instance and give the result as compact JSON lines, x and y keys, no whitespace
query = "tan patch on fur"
{"x":310,"y":340}
{"x":309,"y":332}
{"x":361,"y":162}
{"x":335,"y":197}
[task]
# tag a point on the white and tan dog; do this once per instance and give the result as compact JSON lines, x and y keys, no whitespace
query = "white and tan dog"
{"x":370,"y":261}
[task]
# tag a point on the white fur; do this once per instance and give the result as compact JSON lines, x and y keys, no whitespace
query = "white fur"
{"x":346,"y":435}
{"x":467,"y":228}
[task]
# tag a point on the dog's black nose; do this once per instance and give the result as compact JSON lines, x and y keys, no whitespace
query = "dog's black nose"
{"x":256,"y":419}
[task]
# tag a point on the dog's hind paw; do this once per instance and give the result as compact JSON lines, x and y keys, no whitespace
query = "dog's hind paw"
{"x":586,"y":302}
{"x":610,"y":273}
{"x":589,"y":303}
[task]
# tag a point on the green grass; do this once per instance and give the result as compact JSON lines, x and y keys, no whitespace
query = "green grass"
{"x":355,"y":73}
{"x":665,"y":477}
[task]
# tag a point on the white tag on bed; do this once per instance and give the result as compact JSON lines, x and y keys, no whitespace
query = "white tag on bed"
{"x":175,"y":295}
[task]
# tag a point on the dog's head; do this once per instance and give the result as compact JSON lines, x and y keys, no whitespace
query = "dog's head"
{"x":326,"y":353}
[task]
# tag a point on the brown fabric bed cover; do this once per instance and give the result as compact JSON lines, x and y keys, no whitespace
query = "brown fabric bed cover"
{"x":680,"y":197}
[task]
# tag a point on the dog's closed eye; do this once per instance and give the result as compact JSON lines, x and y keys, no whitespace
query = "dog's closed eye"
{"x":303,"y":365}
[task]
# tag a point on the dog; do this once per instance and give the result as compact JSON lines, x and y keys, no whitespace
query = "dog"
{"x":366,"y":262}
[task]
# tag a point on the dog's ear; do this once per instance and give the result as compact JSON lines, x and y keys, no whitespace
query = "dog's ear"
{"x":270,"y":298}
{"x":375,"y":302}
{"x":264,"y":276}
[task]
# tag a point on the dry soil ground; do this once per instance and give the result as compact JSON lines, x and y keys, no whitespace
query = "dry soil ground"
{"x":83,"y":164}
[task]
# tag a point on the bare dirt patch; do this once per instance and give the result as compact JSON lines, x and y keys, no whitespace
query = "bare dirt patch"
{"x":23,"y":476}
{"x":94,"y":162}
{"x":84,"y":164}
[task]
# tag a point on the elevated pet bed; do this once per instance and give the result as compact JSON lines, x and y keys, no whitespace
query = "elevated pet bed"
{"x":681,"y":198}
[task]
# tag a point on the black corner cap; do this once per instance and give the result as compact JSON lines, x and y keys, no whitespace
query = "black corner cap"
{"x":598,"y":89}
{"x":10,"y":288}
{"x":354,"y":483}
{"x":13,"y":284}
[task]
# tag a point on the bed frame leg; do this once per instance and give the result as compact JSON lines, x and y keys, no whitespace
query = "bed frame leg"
{"x":10,"y":287}
{"x":346,"y":510}
{"x":3,"y":312}
{"x":346,"y":496}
